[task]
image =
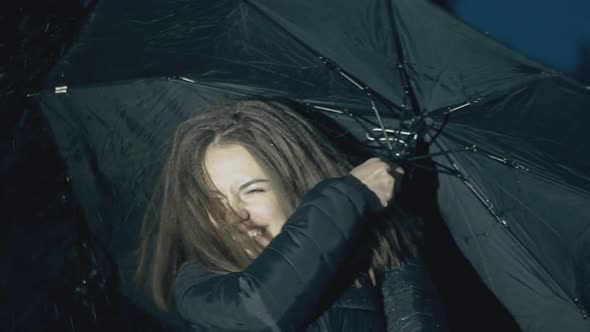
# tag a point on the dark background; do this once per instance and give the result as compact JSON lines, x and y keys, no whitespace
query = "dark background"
{"x":50,"y":276}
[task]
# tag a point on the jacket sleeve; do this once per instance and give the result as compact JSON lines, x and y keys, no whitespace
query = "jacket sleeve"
{"x":410,"y":299}
{"x":280,"y":289}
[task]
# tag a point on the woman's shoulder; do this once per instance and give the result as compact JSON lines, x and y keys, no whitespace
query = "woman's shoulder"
{"x":189,"y":273}
{"x":190,"y":268}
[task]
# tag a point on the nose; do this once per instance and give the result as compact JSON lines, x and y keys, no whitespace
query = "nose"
{"x":240,"y":208}
{"x":243,"y":214}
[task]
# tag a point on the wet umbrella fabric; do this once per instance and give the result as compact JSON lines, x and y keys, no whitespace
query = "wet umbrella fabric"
{"x":506,"y":134}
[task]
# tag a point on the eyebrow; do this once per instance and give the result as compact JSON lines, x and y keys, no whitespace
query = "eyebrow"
{"x":251,"y":182}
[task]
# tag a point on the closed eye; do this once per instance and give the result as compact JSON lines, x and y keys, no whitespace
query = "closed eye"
{"x":255,"y":191}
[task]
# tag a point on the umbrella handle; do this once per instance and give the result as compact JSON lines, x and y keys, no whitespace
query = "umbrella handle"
{"x":397,"y":176}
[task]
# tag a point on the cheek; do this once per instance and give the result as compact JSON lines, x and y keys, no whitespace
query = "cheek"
{"x":269,"y":210}
{"x":278,"y":208}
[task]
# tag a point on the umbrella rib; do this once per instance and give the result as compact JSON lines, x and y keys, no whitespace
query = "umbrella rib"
{"x":512,"y":164}
{"x":320,"y":57}
{"x":344,"y":112}
{"x":429,"y":155}
{"x":504,"y":161}
{"x":369,"y":94}
{"x":451,"y":109}
{"x":367,"y":130}
{"x":359,"y":119}
{"x":438,"y":130}
{"x":408,"y":89}
{"x":374,"y":107}
{"x":464,"y":180}
{"x":478,"y":149}
{"x":489,"y":206}
{"x":355,"y":117}
{"x":357,"y":83}
{"x":396,"y":136}
{"x":480,"y":196}
{"x":331,"y":65}
{"x":428,"y":126}
{"x":449,"y":170}
{"x":446,"y":170}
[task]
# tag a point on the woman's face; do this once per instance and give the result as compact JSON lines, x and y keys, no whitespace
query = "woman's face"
{"x":246,"y":188}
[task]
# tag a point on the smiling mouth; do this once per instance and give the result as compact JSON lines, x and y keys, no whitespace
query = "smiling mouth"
{"x":260,"y":235}
{"x":253,"y":233}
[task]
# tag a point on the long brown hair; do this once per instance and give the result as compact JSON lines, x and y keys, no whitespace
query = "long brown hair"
{"x":178,"y":223}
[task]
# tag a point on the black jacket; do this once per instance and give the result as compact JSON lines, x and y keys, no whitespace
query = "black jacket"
{"x":293,"y":280}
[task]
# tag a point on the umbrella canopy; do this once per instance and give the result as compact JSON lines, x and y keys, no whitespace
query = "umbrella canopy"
{"x":504,"y":133}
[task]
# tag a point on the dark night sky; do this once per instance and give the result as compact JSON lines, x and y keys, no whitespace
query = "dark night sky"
{"x":548,"y":31}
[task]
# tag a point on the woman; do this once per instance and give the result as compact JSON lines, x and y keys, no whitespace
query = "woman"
{"x":263,"y":225}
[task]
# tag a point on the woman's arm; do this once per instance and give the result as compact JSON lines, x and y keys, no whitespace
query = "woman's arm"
{"x":280,"y":289}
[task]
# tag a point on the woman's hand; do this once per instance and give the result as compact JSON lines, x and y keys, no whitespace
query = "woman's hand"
{"x":375,"y":174}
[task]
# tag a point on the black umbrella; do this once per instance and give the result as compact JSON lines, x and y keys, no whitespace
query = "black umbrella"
{"x":505,"y":135}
